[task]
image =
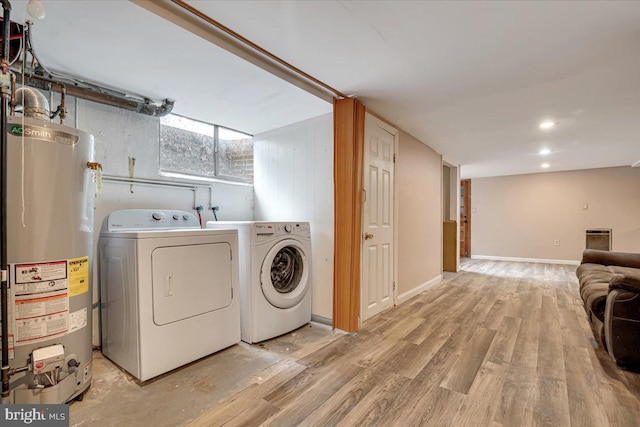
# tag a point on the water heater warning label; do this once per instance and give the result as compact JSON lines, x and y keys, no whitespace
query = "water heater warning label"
{"x":37,"y":273}
{"x":41,"y":317}
{"x":78,"y":319}
{"x":78,"y":276}
{"x":40,"y":301}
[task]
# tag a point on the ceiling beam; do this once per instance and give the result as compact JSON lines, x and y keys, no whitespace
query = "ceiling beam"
{"x":198,"y":23}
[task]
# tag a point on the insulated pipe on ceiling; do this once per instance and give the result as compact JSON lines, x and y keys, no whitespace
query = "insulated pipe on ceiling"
{"x":139,"y":106}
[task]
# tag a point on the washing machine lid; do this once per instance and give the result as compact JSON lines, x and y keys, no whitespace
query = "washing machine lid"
{"x":284,"y":276}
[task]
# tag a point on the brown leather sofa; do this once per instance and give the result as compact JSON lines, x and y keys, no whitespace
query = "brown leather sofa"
{"x":610,"y":289}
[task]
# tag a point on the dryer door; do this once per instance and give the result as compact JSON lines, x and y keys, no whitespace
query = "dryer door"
{"x":284,"y":276}
{"x":190,"y":280}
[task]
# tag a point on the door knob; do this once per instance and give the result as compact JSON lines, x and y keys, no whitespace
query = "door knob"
{"x":368,"y":236}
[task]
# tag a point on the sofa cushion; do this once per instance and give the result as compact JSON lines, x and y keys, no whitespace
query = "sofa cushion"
{"x":591,"y":256}
{"x":585,"y":270}
{"x":589,"y":274}
{"x":628,"y":282}
{"x":594,"y":287}
{"x":595,"y":279}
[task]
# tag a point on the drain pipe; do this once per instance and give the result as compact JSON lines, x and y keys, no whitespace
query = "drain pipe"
{"x":5,"y":81}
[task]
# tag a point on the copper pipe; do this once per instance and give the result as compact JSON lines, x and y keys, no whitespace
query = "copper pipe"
{"x":255,"y":47}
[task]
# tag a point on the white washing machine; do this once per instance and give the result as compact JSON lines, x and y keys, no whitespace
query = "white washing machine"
{"x":169,"y":290}
{"x":275,"y":276}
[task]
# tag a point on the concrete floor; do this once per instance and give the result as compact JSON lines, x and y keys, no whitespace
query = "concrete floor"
{"x":173,"y":399}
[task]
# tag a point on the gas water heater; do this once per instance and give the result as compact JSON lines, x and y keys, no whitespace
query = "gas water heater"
{"x":50,"y":199}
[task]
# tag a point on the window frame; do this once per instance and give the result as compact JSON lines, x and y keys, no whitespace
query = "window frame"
{"x":216,"y":160}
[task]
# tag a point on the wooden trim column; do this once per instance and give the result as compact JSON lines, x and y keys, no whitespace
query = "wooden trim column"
{"x":348,"y":146}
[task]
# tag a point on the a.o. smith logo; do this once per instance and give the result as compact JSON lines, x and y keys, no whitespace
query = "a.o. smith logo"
{"x":44,"y":134}
{"x":36,"y":415}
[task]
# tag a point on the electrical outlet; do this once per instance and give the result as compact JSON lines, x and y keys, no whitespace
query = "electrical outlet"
{"x":556,"y":242}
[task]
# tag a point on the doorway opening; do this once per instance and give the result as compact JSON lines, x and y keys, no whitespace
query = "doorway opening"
{"x":450,"y":223}
{"x":465,"y":218}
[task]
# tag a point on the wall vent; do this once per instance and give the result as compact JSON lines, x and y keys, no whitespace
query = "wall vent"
{"x":598,"y":238}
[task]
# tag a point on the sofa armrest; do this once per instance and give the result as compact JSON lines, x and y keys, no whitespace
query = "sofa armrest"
{"x":620,"y":259}
{"x":625,"y":282}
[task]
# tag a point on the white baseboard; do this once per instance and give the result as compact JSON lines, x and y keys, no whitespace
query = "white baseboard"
{"x":413,"y":292}
{"x":536,"y":260}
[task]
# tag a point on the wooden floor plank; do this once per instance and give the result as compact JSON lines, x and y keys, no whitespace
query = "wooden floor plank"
{"x":370,"y":409}
{"x":464,"y":372}
{"x":298,"y":403}
{"x":244,"y":413}
{"x":407,"y":402}
{"x":334,"y":409}
{"x":498,"y":344}
{"x":505,"y":341}
{"x":551,"y":403}
{"x":550,"y":348}
{"x":480,"y":406}
{"x":518,"y":392}
{"x":586,"y":407}
{"x":572,"y":332}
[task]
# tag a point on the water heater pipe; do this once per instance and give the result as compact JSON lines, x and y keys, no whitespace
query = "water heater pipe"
{"x":142,"y":106}
{"x":6,"y":26}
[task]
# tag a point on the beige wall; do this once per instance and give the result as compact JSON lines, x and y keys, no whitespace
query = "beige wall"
{"x":521,"y":216}
{"x":419,"y":186}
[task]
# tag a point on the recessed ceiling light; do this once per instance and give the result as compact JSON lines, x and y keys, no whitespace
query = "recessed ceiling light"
{"x":547,"y":125}
{"x":545,"y":165}
{"x":545,"y":151}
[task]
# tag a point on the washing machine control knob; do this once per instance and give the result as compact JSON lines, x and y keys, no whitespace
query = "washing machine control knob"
{"x":176,"y":217}
{"x":185,"y":217}
{"x":287,"y":228}
{"x":156,"y":216}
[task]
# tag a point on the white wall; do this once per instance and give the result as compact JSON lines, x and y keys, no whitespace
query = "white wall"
{"x":521,"y":216}
{"x":293,"y":170}
{"x":121,"y":134}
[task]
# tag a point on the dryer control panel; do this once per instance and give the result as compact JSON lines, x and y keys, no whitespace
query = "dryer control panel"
{"x":150,"y":219}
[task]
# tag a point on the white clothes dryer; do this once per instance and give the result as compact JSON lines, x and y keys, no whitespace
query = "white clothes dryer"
{"x":275,"y":276}
{"x":169,"y":290}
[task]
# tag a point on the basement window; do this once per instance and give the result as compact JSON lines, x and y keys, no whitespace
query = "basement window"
{"x":198,"y":150}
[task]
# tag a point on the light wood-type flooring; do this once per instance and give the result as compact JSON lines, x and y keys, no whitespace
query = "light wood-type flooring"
{"x":498,"y":344}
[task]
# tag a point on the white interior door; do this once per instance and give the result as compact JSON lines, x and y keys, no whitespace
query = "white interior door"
{"x":378,"y":219}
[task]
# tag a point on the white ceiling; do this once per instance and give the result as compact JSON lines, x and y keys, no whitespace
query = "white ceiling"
{"x":470,"y":79}
{"x":121,"y":45}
